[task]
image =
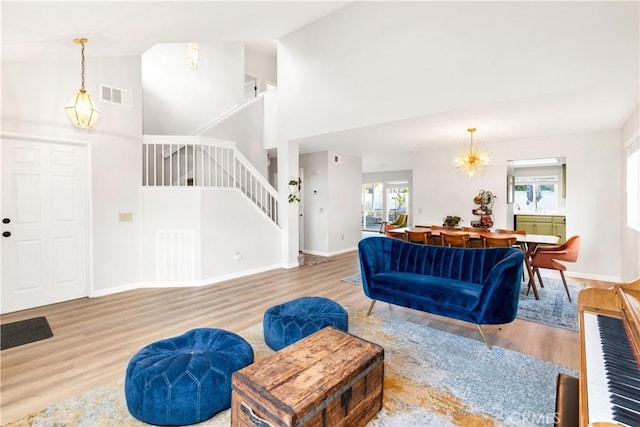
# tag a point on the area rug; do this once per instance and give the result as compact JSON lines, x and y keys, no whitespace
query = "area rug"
{"x":432,"y":378}
{"x":24,"y":332}
{"x":553,"y":308}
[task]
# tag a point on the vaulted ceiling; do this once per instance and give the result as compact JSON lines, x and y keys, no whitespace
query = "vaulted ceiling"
{"x":45,"y":30}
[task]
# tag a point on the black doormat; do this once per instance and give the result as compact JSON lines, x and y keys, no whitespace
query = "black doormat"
{"x":24,"y":332}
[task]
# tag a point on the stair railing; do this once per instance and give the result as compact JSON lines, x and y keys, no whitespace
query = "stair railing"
{"x":193,"y":161}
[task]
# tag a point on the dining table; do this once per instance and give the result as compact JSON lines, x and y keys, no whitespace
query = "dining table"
{"x":527,"y":242}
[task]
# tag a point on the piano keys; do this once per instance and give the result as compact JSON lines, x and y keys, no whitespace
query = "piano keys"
{"x":614,"y":376}
{"x":609,"y":350}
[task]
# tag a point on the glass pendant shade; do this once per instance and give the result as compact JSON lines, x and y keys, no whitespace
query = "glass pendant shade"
{"x":81,"y":110}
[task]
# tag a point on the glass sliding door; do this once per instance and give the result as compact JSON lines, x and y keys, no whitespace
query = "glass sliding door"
{"x":396,"y":201}
{"x":372,"y":206}
{"x":383,"y":202}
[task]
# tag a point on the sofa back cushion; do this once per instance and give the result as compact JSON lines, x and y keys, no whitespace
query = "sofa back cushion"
{"x":464,"y":264}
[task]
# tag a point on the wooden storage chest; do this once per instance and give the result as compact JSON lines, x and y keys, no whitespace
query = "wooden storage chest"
{"x":330,"y":378}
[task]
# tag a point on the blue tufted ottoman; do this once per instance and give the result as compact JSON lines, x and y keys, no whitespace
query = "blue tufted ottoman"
{"x":185,"y":379}
{"x":287,"y":323}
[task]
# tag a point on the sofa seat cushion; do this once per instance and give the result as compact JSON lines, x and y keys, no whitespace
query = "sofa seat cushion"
{"x":447,"y":292}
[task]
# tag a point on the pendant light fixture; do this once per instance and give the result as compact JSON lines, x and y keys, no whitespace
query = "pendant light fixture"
{"x":472,"y":159}
{"x":193,"y":55}
{"x":81,"y":109}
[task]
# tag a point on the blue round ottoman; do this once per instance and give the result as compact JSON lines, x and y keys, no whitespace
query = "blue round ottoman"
{"x":185,"y":379}
{"x":287,"y":323}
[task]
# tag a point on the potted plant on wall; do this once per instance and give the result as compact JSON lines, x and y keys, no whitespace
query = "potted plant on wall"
{"x":294,"y":188}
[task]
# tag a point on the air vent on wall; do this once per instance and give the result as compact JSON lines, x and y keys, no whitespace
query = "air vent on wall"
{"x":116,"y":96}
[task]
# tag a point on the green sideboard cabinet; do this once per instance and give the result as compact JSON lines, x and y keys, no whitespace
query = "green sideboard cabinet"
{"x":543,"y":224}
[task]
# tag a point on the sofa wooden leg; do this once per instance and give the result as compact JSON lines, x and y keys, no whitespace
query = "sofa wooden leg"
{"x":371,"y":307}
{"x":484,"y":337}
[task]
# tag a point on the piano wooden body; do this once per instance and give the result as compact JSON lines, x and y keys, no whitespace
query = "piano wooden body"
{"x":600,"y":404}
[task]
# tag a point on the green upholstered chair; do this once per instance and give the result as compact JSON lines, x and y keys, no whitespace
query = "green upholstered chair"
{"x":400,"y":222}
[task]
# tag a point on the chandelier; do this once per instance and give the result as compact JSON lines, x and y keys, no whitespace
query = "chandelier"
{"x":193,"y":55}
{"x":81,"y":109}
{"x":472,"y":159}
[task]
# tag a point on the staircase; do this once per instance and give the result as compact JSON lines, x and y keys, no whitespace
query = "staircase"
{"x":196,"y":161}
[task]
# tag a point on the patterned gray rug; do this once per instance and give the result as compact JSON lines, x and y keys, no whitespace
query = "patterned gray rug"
{"x":553,"y":308}
{"x":432,"y":378}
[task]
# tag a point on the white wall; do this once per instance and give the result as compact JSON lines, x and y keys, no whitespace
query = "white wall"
{"x":179,"y":100}
{"x":332,"y":194}
{"x":593,"y":191}
{"x":345,"y":203}
{"x":33,"y":98}
{"x":315,"y":192}
{"x":630,"y":237}
{"x":224,"y":224}
{"x":337,"y":69}
{"x":264,"y":66}
{"x":246,"y":130}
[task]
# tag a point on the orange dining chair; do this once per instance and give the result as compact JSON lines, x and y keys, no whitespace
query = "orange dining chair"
{"x":458,"y":240}
{"x":521,"y":245}
{"x":519,"y":232}
{"x":548,"y":257}
{"x":397,"y":235}
{"x":423,"y":237}
{"x":497,"y":241}
{"x":473,"y":243}
{"x":437,"y":240}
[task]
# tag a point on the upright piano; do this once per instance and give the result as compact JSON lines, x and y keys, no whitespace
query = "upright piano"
{"x":609,"y":383}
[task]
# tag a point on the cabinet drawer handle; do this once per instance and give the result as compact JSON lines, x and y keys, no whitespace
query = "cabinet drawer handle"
{"x":256,"y":420}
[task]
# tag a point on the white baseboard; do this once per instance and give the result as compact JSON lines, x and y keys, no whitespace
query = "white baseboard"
{"x":578,"y":275}
{"x":328,"y":254}
{"x":589,"y":276}
{"x":190,"y":284}
{"x":343,"y":251}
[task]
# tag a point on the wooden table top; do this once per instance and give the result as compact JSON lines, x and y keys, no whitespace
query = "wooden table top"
{"x":524,"y":238}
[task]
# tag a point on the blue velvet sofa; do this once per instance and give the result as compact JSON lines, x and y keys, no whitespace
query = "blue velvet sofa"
{"x":476,"y":285}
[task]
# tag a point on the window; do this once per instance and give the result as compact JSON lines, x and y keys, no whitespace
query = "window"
{"x":536,"y":193}
{"x":633,"y":185}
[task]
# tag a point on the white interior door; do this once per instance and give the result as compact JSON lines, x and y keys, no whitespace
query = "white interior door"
{"x":44,"y":224}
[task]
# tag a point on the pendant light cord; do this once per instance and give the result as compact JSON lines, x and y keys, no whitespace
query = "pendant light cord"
{"x":82,"y":74}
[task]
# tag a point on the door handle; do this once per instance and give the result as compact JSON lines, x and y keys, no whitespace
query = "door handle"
{"x":6,"y":234}
{"x":6,"y":220}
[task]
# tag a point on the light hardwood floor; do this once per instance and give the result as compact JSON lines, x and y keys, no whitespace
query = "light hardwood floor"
{"x":95,"y":338}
